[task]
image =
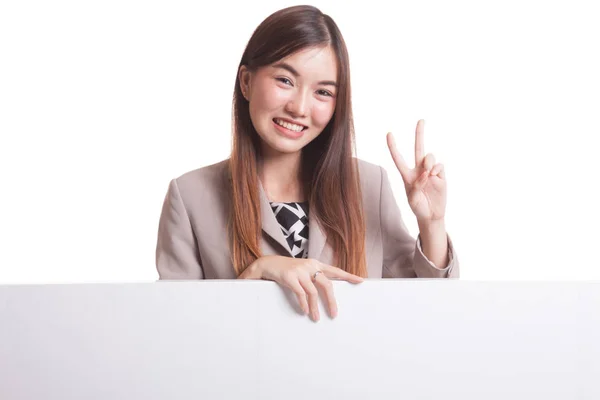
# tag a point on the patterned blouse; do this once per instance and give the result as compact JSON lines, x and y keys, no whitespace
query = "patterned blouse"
{"x":293,"y":219}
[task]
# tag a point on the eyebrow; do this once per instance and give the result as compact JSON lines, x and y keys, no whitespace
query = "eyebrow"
{"x":293,"y":71}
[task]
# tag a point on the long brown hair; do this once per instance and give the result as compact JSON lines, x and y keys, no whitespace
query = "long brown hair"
{"x":330,"y":171}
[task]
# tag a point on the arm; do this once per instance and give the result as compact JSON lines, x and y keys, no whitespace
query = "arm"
{"x":403,"y":257}
{"x":434,"y":242}
{"x":177,"y":255}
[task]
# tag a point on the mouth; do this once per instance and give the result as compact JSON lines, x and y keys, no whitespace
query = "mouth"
{"x":294,"y":127}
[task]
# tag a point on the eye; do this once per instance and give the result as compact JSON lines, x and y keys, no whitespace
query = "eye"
{"x":323,"y":92}
{"x":285,"y":81}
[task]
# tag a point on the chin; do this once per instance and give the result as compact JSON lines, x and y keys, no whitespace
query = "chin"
{"x":284,"y":146}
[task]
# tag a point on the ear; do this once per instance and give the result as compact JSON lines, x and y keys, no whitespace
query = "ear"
{"x":244,"y":75}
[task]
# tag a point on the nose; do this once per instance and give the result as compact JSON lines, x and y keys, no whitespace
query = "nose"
{"x":298,"y":105}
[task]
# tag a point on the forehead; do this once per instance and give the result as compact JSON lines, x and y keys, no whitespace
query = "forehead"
{"x":319,"y":63}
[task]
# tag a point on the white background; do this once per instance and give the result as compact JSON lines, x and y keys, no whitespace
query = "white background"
{"x":102,"y":103}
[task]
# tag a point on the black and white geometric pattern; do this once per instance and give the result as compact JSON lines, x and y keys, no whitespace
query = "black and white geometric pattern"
{"x":293,"y":219}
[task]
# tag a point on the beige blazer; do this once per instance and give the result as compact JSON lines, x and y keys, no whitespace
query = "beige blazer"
{"x":193,"y":241}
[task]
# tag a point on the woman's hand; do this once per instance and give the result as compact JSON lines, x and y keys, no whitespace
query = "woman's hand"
{"x":425,"y":184}
{"x":303,"y":277}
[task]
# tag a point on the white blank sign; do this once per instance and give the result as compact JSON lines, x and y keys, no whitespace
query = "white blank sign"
{"x":409,"y":339}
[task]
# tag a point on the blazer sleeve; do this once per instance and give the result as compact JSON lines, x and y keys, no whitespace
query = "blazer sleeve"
{"x":177,"y":255}
{"x":402,"y":254}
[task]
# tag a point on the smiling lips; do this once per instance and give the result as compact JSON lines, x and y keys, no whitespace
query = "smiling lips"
{"x":289,"y":125}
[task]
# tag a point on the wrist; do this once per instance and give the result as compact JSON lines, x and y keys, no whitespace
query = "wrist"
{"x":253,"y":271}
{"x":432,"y":226}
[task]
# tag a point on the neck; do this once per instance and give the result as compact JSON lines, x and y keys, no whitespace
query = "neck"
{"x":281,"y":177}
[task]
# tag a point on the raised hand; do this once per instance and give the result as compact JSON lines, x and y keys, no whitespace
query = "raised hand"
{"x":425,"y":184}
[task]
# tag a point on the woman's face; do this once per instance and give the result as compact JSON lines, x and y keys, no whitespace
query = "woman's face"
{"x":292,"y":100}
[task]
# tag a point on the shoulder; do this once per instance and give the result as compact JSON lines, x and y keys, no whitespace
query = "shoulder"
{"x":210,"y":174}
{"x":206,"y":183}
{"x":371,"y":177}
{"x":368,"y":170}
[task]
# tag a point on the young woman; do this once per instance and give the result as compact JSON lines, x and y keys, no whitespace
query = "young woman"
{"x":292,"y":204}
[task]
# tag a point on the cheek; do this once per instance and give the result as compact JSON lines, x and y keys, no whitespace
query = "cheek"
{"x":269,"y":97}
{"x":322,"y":112}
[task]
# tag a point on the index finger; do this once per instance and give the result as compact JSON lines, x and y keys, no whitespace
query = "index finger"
{"x":338,"y":273}
{"x":325,"y":285}
{"x":419,"y":142}
{"x":397,"y":157}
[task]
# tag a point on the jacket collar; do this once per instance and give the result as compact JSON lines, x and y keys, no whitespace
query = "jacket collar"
{"x":316,"y":237}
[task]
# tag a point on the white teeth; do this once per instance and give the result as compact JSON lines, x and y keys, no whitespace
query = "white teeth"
{"x":292,"y":127}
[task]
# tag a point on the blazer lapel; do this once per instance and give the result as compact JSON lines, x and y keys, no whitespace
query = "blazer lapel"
{"x":316,"y":238}
{"x":269,"y":223}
